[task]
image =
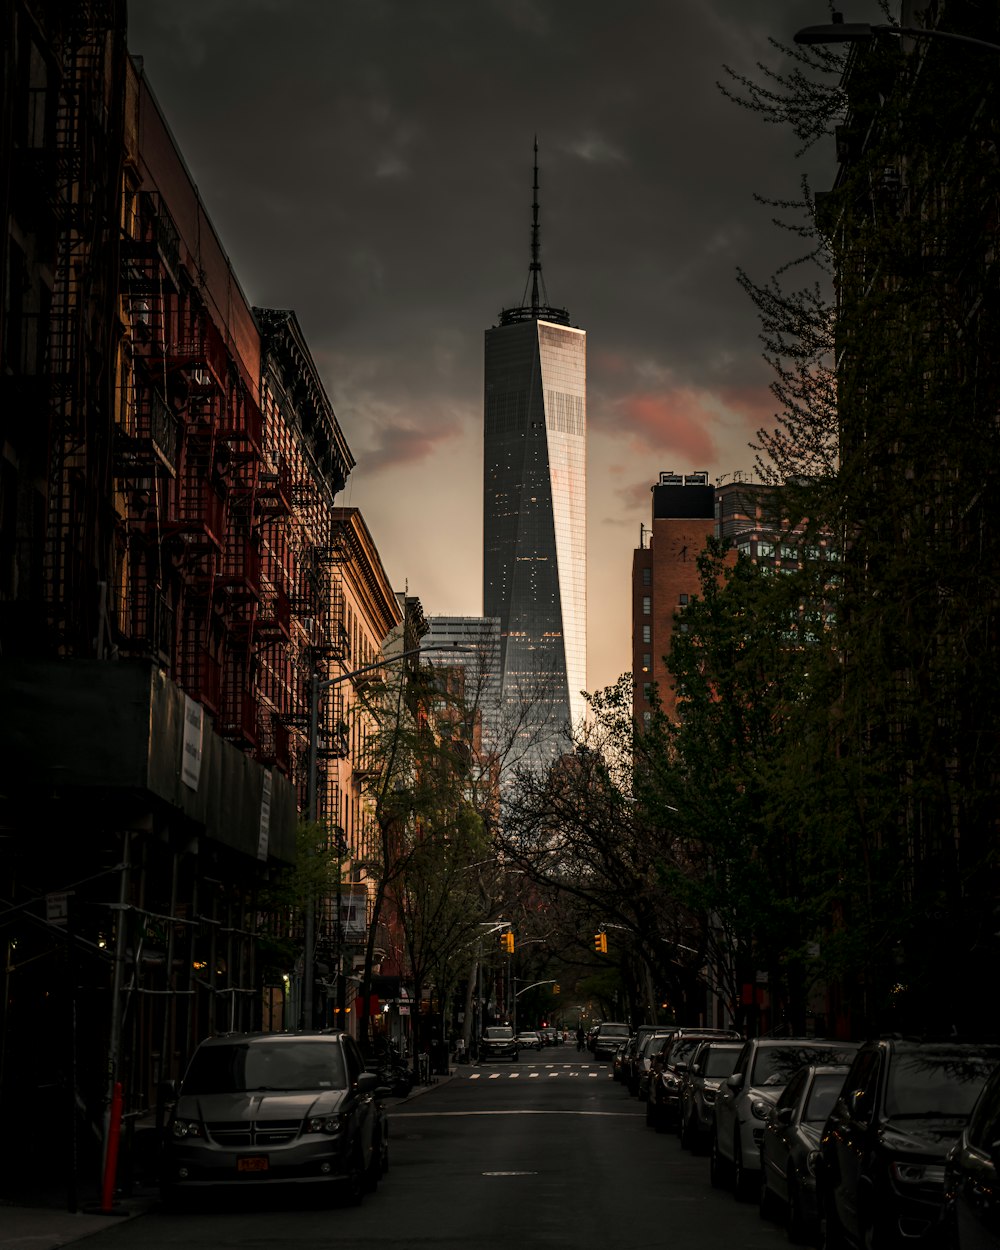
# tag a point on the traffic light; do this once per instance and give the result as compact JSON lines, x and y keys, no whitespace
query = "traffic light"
{"x":507,"y":941}
{"x":601,"y":943}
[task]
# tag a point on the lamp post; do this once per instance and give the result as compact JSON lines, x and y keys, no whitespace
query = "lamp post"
{"x":317,"y":688}
{"x":839,"y":31}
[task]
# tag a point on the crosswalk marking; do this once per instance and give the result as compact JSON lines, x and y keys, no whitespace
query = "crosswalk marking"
{"x":534,"y":1075}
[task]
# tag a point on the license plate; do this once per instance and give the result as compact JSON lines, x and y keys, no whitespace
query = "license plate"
{"x":252,"y":1163}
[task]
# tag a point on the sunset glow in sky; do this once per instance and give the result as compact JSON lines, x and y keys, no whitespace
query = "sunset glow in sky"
{"x":369,"y":166}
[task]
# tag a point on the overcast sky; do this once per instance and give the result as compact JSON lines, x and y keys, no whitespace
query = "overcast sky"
{"x":368,"y":164}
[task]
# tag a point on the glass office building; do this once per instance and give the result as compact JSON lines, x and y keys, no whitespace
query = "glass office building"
{"x":535,"y":521}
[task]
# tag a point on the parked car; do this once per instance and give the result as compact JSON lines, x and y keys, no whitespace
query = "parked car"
{"x":617,"y":1064}
{"x":763,"y":1069}
{"x":647,"y":1057}
{"x":971,"y":1184}
{"x":711,"y":1063}
{"x":498,"y":1042}
{"x":789,"y":1149}
{"x":609,"y":1036}
{"x":276,"y":1109}
{"x":528,"y":1039}
{"x":637,"y":1056}
{"x":881,"y":1168}
{"x":669,"y":1067}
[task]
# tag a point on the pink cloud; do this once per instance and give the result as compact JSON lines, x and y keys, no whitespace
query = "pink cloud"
{"x":398,"y":445}
{"x":754,"y":405}
{"x":676,"y":421}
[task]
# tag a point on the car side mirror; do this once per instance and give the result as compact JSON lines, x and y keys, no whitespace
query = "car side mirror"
{"x":367,"y":1083}
{"x":783,"y":1115}
{"x":696,"y":1069}
{"x":735,"y":1081}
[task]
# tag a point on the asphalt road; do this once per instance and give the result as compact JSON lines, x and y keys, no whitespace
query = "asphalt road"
{"x":547,"y":1153}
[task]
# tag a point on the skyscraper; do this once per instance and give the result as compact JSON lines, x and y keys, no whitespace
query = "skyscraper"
{"x":534,"y":511}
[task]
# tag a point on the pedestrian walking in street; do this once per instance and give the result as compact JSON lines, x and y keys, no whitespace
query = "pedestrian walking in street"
{"x":581,"y":1038}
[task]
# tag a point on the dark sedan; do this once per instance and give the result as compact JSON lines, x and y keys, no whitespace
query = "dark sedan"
{"x":608,"y":1038}
{"x":790,"y":1148}
{"x":972,"y":1176}
{"x":711,"y":1064}
{"x":881,"y":1169}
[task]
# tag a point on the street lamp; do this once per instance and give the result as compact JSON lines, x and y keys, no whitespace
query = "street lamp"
{"x":316,"y":688}
{"x":839,"y":31}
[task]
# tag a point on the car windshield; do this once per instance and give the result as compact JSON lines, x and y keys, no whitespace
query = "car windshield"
{"x":822,"y":1096}
{"x":774,"y":1066}
{"x":936,"y":1084}
{"x":499,"y":1034}
{"x":243,"y":1067}
{"x":683,"y":1049}
{"x":653,"y":1042}
{"x":720,"y":1060}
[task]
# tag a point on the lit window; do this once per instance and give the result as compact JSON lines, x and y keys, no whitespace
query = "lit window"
{"x":647,"y":633}
{"x":647,"y":605}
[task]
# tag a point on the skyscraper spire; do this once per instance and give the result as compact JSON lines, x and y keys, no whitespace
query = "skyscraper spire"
{"x":536,"y":264}
{"x":539,"y":308}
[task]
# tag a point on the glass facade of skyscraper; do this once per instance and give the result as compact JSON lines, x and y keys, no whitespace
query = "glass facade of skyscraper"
{"x":534,"y":524}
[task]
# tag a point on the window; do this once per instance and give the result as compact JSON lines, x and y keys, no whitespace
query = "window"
{"x":647,"y":605}
{"x":682,"y":600}
{"x":647,"y":686}
{"x":647,"y":633}
{"x":647,"y":662}
{"x":647,"y":577}
{"x":646,"y":718}
{"x":765,"y":549}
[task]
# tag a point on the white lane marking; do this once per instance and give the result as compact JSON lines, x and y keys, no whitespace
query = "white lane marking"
{"x":514,"y":1075}
{"x":533,"y":1074}
{"x":510,"y":1173}
{"x":494,"y":1076}
{"x":424,"y":1115}
{"x":552,"y":1074}
{"x":592,"y":1075}
{"x":474,"y":1076}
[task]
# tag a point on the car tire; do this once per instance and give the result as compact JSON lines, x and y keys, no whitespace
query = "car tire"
{"x":743,"y":1181}
{"x":354,"y":1183}
{"x":831,"y":1235}
{"x":768,"y":1204}
{"x":718,"y":1168}
{"x":796,"y":1226}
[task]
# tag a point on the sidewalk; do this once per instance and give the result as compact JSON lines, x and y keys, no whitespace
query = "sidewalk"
{"x":47,"y":1228}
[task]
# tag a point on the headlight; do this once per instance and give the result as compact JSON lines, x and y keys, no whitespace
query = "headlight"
{"x":917,"y":1173}
{"x":187,"y":1128}
{"x":760,"y":1107}
{"x":326,"y":1124}
{"x":670,"y":1082}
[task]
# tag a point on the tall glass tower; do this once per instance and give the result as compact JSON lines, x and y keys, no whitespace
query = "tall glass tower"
{"x":535,"y":513}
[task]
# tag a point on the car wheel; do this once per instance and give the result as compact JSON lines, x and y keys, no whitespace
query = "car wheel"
{"x":796,"y":1227}
{"x":831,"y":1235}
{"x":353,"y":1192}
{"x":718,"y":1168}
{"x":768,"y":1206}
{"x":743,"y":1181}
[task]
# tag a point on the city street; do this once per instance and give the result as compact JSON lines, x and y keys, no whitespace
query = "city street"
{"x":544,"y":1153}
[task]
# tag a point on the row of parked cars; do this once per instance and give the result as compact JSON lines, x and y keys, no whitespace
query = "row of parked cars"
{"x":886,"y":1144}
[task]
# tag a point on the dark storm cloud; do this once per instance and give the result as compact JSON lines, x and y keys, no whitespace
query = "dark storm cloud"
{"x":371,"y":163}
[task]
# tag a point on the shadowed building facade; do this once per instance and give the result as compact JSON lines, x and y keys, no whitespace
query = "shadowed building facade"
{"x":534,"y":516}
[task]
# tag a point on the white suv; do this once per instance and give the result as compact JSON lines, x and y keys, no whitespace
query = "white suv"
{"x":763,"y":1069}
